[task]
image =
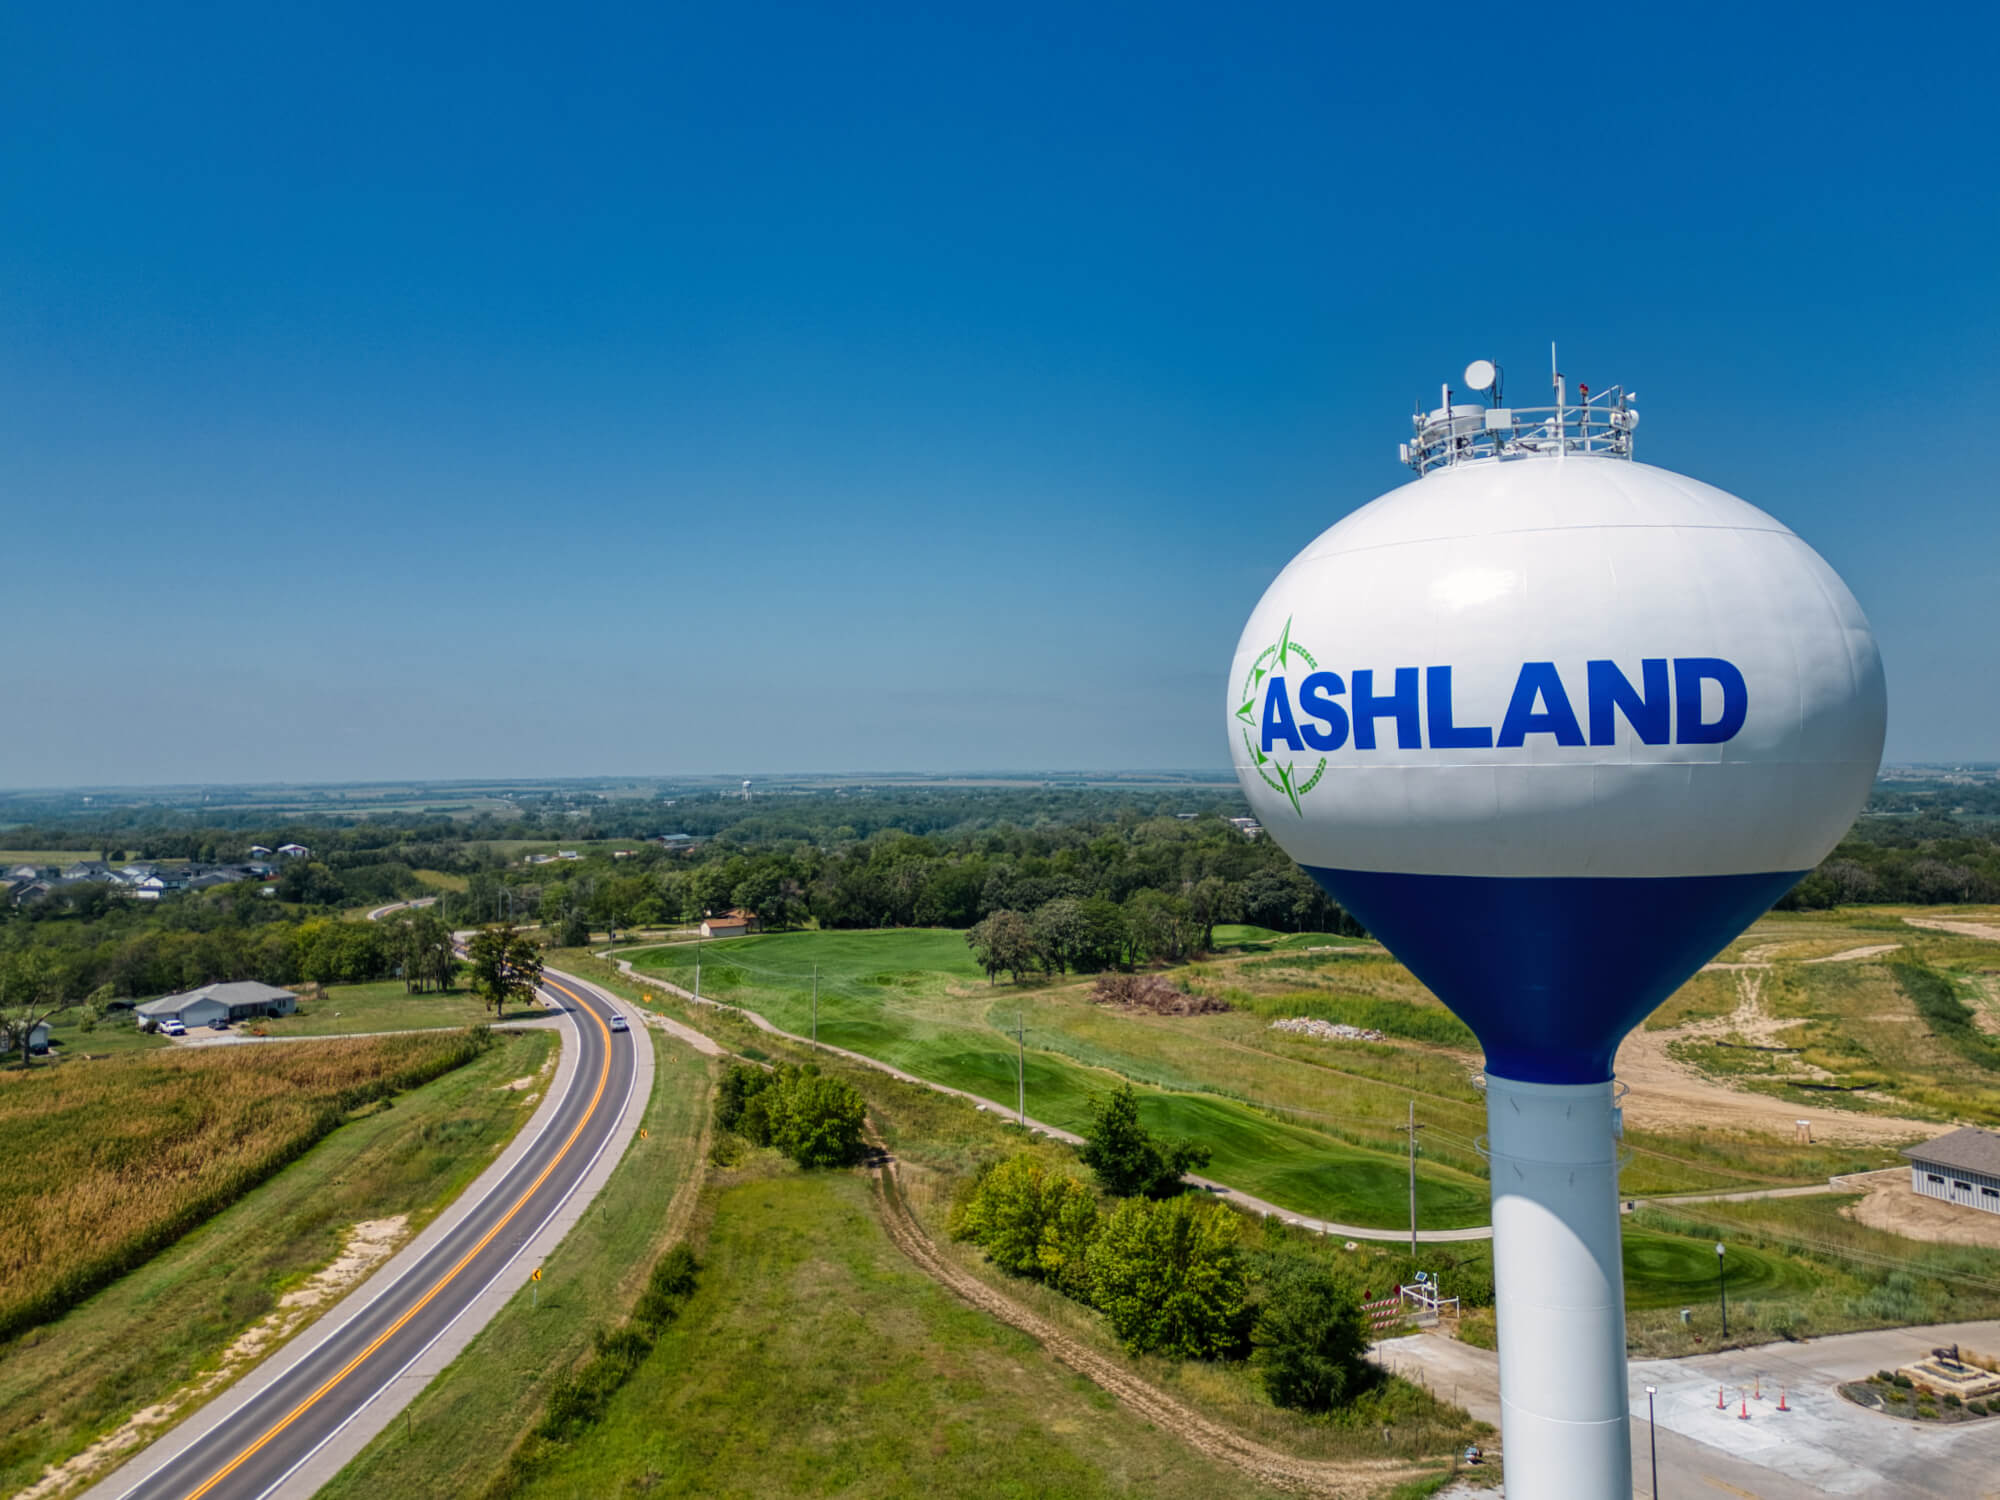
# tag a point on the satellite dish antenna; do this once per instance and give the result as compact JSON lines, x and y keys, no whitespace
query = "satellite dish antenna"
{"x":1480,"y":375}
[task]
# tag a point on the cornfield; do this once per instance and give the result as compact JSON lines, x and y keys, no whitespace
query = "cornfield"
{"x":108,"y":1162}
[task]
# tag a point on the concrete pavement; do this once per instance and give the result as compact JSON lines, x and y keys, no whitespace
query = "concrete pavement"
{"x":1824,"y":1445}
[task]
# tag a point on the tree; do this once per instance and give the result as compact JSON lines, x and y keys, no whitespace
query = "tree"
{"x":1127,"y":1159}
{"x":1170,"y":1278}
{"x":1311,"y":1335}
{"x":1031,"y":1219}
{"x":1003,"y":941}
{"x":506,"y":965}
{"x":34,"y":987}
{"x":421,"y":942}
{"x":817,"y":1120}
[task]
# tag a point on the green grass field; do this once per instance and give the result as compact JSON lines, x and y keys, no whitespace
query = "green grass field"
{"x":813,"y":1359}
{"x":153,"y":1330}
{"x":458,"y":1433}
{"x":351,"y":1009}
{"x":914,"y":999}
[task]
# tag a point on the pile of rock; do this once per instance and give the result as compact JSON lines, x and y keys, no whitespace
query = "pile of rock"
{"x":1328,"y":1031}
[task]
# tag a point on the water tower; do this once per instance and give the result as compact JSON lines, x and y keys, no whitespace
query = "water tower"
{"x":1556,"y":726}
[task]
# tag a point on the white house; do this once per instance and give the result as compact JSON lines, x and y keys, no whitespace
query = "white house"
{"x":38,"y":1038}
{"x":258,"y":851}
{"x":294,"y":851}
{"x":733,"y":923}
{"x":239,"y":1000}
{"x":1962,"y":1167}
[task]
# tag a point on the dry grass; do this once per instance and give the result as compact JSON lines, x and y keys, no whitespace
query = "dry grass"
{"x":112,"y":1161}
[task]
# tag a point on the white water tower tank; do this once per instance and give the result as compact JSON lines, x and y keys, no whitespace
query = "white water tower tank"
{"x":1555,"y":726}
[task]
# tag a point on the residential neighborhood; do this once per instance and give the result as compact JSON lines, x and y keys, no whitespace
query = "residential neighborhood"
{"x":142,"y":880}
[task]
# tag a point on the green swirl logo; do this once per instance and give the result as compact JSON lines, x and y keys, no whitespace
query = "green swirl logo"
{"x":1290,"y":777}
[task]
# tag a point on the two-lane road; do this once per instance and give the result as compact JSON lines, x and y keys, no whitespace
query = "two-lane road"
{"x":354,"y":1356}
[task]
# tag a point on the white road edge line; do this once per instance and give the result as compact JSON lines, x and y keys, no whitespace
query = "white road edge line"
{"x":410,"y":1270}
{"x":471,"y":1302}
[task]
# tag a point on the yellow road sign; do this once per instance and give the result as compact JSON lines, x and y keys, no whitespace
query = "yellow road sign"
{"x":536,"y":1274}
{"x":642,"y":1132}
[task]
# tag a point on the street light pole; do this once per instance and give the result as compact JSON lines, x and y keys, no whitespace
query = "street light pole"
{"x":1021,"y":1069}
{"x":1722,"y":1282}
{"x":815,"y":1005}
{"x":1653,"y":1440}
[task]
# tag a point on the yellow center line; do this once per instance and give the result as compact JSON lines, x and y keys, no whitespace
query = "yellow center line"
{"x":442,"y":1282}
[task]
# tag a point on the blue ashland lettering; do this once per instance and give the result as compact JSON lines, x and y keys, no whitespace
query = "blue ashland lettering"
{"x":1401,"y":705}
{"x":1278,"y":723}
{"x":1664,"y":707}
{"x":1611,"y":693}
{"x":1446,"y":735}
{"x":1316,"y":695}
{"x":1690,"y":672}
{"x":1539,"y":680}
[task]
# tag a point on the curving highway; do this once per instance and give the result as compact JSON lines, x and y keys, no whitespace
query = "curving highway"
{"x":355,"y":1355}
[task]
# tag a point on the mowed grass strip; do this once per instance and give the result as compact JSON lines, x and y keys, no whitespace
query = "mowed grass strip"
{"x":458,"y":1434}
{"x":154,"y":1330}
{"x":813,"y":1359}
{"x":385,"y":1005}
{"x":915,"y":1000}
{"x":111,"y":1160}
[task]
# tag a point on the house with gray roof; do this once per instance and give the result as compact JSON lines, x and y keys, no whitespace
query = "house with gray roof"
{"x":1962,"y":1167}
{"x":238,"y":1000}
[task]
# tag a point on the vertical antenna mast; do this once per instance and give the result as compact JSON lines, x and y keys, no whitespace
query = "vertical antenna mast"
{"x":1562,"y":416}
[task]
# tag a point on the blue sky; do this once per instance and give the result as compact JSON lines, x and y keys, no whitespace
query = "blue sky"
{"x":494,"y":391}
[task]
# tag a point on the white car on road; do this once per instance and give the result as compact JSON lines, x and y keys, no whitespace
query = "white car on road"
{"x":618,"y":1024}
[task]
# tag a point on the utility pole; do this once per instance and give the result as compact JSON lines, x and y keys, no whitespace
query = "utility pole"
{"x":697,"y":968}
{"x":1413,"y":1127}
{"x":1021,"y":1068}
{"x":815,"y":1005}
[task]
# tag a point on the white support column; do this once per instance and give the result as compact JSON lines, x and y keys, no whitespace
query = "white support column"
{"x":1559,"y":1290}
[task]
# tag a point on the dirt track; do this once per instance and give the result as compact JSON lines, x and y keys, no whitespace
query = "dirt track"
{"x":1265,"y":1465}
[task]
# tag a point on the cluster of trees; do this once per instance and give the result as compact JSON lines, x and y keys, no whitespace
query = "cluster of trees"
{"x":1177,"y":1274}
{"x":1930,"y":860}
{"x":812,"y":1118}
{"x":1175,"y":1277}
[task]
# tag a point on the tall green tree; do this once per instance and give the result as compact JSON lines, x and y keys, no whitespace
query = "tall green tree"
{"x":506,"y":965}
{"x":1127,"y":1158}
{"x":1311,"y":1335}
{"x":1171,"y":1279}
{"x":34,"y":987}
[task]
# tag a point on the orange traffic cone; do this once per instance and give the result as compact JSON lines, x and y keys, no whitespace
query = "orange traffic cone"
{"x":1721,"y":1404}
{"x":1781,"y":1400}
{"x":1759,"y":1393}
{"x":1744,"y":1415}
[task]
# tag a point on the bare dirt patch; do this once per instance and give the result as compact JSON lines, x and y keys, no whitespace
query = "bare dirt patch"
{"x":1990,"y":931}
{"x":368,"y":1244}
{"x":1892,"y":1206}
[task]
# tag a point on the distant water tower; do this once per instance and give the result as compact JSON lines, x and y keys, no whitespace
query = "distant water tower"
{"x":1556,"y":726}
{"x":746,"y":791}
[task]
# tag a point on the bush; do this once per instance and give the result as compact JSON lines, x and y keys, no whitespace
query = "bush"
{"x":1128,"y":1161}
{"x":817,"y":1120}
{"x":813,"y":1119}
{"x":1310,"y":1334}
{"x":1951,"y":1398}
{"x":1977,"y":1408}
{"x":1032,"y":1220}
{"x":1170,"y":1278}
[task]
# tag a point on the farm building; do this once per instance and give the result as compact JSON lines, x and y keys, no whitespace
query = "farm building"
{"x":733,"y":923}
{"x":1962,"y":1167}
{"x":237,"y":1001}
